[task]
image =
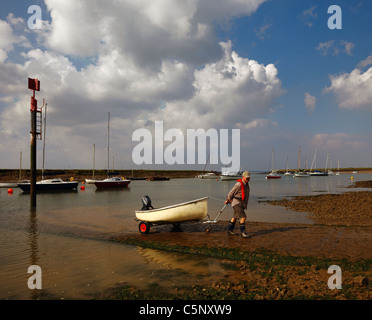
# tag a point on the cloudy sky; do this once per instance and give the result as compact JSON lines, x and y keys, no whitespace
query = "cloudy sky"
{"x":273,"y":69}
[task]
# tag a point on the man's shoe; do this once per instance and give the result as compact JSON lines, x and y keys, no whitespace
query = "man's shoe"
{"x":244,"y":235}
{"x":231,"y":233}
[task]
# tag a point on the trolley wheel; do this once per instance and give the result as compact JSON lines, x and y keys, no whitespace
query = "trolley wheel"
{"x":176,"y":227}
{"x":144,"y":227}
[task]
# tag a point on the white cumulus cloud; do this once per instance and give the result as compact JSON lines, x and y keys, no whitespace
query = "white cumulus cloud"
{"x":231,"y":90}
{"x":352,"y":90}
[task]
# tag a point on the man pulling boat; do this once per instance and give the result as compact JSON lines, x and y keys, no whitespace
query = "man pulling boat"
{"x":196,"y":210}
{"x":238,"y":197}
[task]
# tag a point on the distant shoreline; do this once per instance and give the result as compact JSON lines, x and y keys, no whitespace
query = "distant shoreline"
{"x":82,"y":174}
{"x":11,"y":175}
{"x":342,"y":170}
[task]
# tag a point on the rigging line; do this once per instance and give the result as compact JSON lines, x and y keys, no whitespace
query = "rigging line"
{"x":118,"y":156}
{"x":214,"y":198}
{"x":101,"y":153}
{"x":63,"y":152}
{"x":114,"y":151}
{"x":101,"y":158}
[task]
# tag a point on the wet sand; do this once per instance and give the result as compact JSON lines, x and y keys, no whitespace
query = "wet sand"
{"x":342,"y":229}
{"x":350,"y":208}
{"x":328,"y":242}
{"x":341,"y":234}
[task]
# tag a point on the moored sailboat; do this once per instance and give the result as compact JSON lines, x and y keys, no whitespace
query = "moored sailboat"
{"x":338,"y":168}
{"x":208,"y":175}
{"x":111,"y":182}
{"x":55,"y":184}
{"x":274,"y":173}
{"x":287,"y":173}
{"x":230,"y":175}
{"x":300,"y":173}
{"x":317,"y":173}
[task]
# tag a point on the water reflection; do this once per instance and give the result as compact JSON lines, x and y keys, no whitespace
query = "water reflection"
{"x":186,"y":262}
{"x":33,"y":243}
{"x":303,"y":186}
{"x":74,"y":268}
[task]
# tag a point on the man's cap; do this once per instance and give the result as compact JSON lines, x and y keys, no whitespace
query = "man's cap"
{"x":246,"y":174}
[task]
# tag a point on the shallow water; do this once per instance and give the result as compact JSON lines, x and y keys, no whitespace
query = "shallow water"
{"x":67,"y":235}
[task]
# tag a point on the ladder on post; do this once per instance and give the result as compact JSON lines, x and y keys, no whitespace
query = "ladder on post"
{"x":39,"y":124}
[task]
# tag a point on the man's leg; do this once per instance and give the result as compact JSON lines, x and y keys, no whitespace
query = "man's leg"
{"x":242,"y":228}
{"x":231,"y":226}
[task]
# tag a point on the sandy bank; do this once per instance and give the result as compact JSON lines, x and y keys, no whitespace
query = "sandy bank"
{"x":284,"y":261}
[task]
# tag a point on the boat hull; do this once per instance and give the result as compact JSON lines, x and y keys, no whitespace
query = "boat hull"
{"x":204,"y":176}
{"x":188,"y":211}
{"x":57,"y":186}
{"x":301,"y":175}
{"x":230,"y":175}
{"x":319,"y":174}
{"x":273,"y":175}
{"x":229,"y":178}
{"x":158,"y":179}
{"x":112,"y":184}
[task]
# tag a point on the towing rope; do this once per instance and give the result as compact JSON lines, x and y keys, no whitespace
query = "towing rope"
{"x":214,"y":198}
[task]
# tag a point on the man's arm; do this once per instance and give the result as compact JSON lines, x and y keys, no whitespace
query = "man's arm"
{"x":232,"y":193}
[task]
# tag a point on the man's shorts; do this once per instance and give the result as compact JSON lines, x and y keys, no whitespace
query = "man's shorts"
{"x":239,"y":212}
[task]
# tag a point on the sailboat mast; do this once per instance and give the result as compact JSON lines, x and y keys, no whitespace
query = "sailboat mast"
{"x":286,"y":165}
{"x":207,"y":161}
{"x":20,"y":166}
{"x":108,"y":144}
{"x":299,"y":158}
{"x":94,"y":157}
{"x":42,"y":170}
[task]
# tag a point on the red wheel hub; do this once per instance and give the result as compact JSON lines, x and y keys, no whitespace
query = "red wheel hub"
{"x":143,"y":227}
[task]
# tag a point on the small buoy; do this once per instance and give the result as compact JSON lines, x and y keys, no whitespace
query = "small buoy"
{"x":82,"y":188}
{"x":10,"y":191}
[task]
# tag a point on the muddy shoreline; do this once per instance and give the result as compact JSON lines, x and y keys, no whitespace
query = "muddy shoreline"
{"x":293,"y":258}
{"x":279,"y":261}
{"x":350,"y":208}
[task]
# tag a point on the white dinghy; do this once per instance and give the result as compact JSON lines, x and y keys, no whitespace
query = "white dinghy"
{"x":193,"y":210}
